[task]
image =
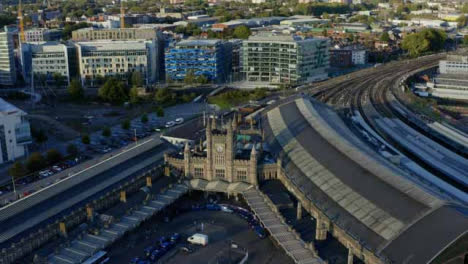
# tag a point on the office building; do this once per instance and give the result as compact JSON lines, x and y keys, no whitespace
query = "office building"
{"x":15,"y":132}
{"x":47,"y":59}
{"x":452,"y":80}
{"x":7,"y":60}
{"x":42,"y":34}
{"x":149,"y":32}
{"x":211,"y":58}
{"x":117,"y":58}
{"x":91,"y":34}
{"x":284,"y":59}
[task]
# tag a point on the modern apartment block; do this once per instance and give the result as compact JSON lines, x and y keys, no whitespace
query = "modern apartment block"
{"x":117,"y":58}
{"x":42,"y":34}
{"x":47,"y":59}
{"x":15,"y":132}
{"x":7,"y":60}
{"x":211,"y":58}
{"x":128,"y":34}
{"x":91,"y":34}
{"x":284,"y":59}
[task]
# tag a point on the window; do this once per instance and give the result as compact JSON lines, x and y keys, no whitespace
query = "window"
{"x":219,"y":174}
{"x":241,"y":175}
{"x":198,"y":173}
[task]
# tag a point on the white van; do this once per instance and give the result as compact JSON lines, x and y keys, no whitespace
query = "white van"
{"x":198,"y":239}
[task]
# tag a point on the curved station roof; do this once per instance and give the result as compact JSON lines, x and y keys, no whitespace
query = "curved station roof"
{"x":372,"y":200}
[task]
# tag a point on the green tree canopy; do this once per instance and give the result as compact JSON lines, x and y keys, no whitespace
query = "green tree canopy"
{"x":160,"y":111}
{"x":85,"y":139}
{"x":35,"y":162}
{"x":133,"y":94}
{"x":126,"y":124}
{"x":17,"y":170}
{"x":53,"y":156}
{"x":164,"y":96}
{"x":424,"y":41}
{"x":242,"y":32}
{"x":113,"y":91}
{"x":144,"y":118}
{"x":76,"y":90}
{"x":137,"y":80}
{"x":385,"y":37}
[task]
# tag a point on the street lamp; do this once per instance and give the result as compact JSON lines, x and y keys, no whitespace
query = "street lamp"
{"x":136,"y":139}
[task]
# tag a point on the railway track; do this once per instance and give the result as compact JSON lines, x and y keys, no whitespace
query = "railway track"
{"x":368,"y":94}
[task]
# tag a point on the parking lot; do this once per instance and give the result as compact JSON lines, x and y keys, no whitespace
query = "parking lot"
{"x":222,"y":228}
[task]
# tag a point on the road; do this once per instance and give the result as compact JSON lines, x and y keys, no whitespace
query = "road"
{"x":51,"y":209}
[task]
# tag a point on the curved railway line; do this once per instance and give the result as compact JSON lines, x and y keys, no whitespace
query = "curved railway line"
{"x":371,"y":93}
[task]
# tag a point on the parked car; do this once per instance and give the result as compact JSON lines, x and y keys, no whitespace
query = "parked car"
{"x":170,"y":124}
{"x":179,"y":120}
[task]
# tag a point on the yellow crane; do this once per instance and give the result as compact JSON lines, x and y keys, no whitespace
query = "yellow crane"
{"x":122,"y":14}
{"x":20,"y":16}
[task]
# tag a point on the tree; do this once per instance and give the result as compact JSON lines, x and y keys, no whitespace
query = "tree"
{"x":242,"y":32}
{"x":424,"y":41}
{"x":190,"y":77}
{"x":53,"y":156}
{"x":164,"y":96}
{"x":85,"y":139}
{"x":137,"y":80}
{"x":35,"y":162}
{"x":462,"y":21}
{"x":113,"y":91}
{"x":126,"y":124}
{"x":17,"y":170}
{"x":106,"y":132}
{"x":465,"y":40}
{"x":72,"y":150}
{"x":76,"y":90}
{"x":385,"y":37}
{"x":202,"y":79}
{"x":144,"y":119}
{"x":159,"y":111}
{"x":133,"y":94}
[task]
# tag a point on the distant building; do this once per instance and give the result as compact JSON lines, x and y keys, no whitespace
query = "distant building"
{"x":452,"y":82}
{"x":210,"y":57}
{"x":7,"y":60}
{"x":341,"y":58}
{"x":284,"y":59}
{"x":90,"y":34}
{"x":47,"y":59}
{"x":144,"y":32}
{"x":42,"y":34}
{"x":117,"y":58}
{"x":236,"y":70}
{"x":15,"y":132}
{"x":454,"y":65}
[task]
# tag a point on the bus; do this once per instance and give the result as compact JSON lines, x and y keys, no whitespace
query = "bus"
{"x":99,"y":258}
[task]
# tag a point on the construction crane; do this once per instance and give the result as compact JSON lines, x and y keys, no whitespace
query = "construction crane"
{"x":122,"y":14}
{"x":20,"y":16}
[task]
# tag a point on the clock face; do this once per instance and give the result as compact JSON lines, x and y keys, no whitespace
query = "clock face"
{"x":219,"y":148}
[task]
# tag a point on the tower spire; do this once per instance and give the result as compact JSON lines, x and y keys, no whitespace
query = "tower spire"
{"x":21,"y":21}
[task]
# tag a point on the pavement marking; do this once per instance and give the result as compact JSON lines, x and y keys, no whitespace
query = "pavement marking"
{"x":75,"y":174}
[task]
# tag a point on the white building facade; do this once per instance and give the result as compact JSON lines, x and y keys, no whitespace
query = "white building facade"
{"x":46,"y":59}
{"x":7,"y":60}
{"x":15,"y":132}
{"x":117,"y":58}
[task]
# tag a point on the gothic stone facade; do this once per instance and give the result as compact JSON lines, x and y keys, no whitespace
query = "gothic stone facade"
{"x":220,"y":161}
